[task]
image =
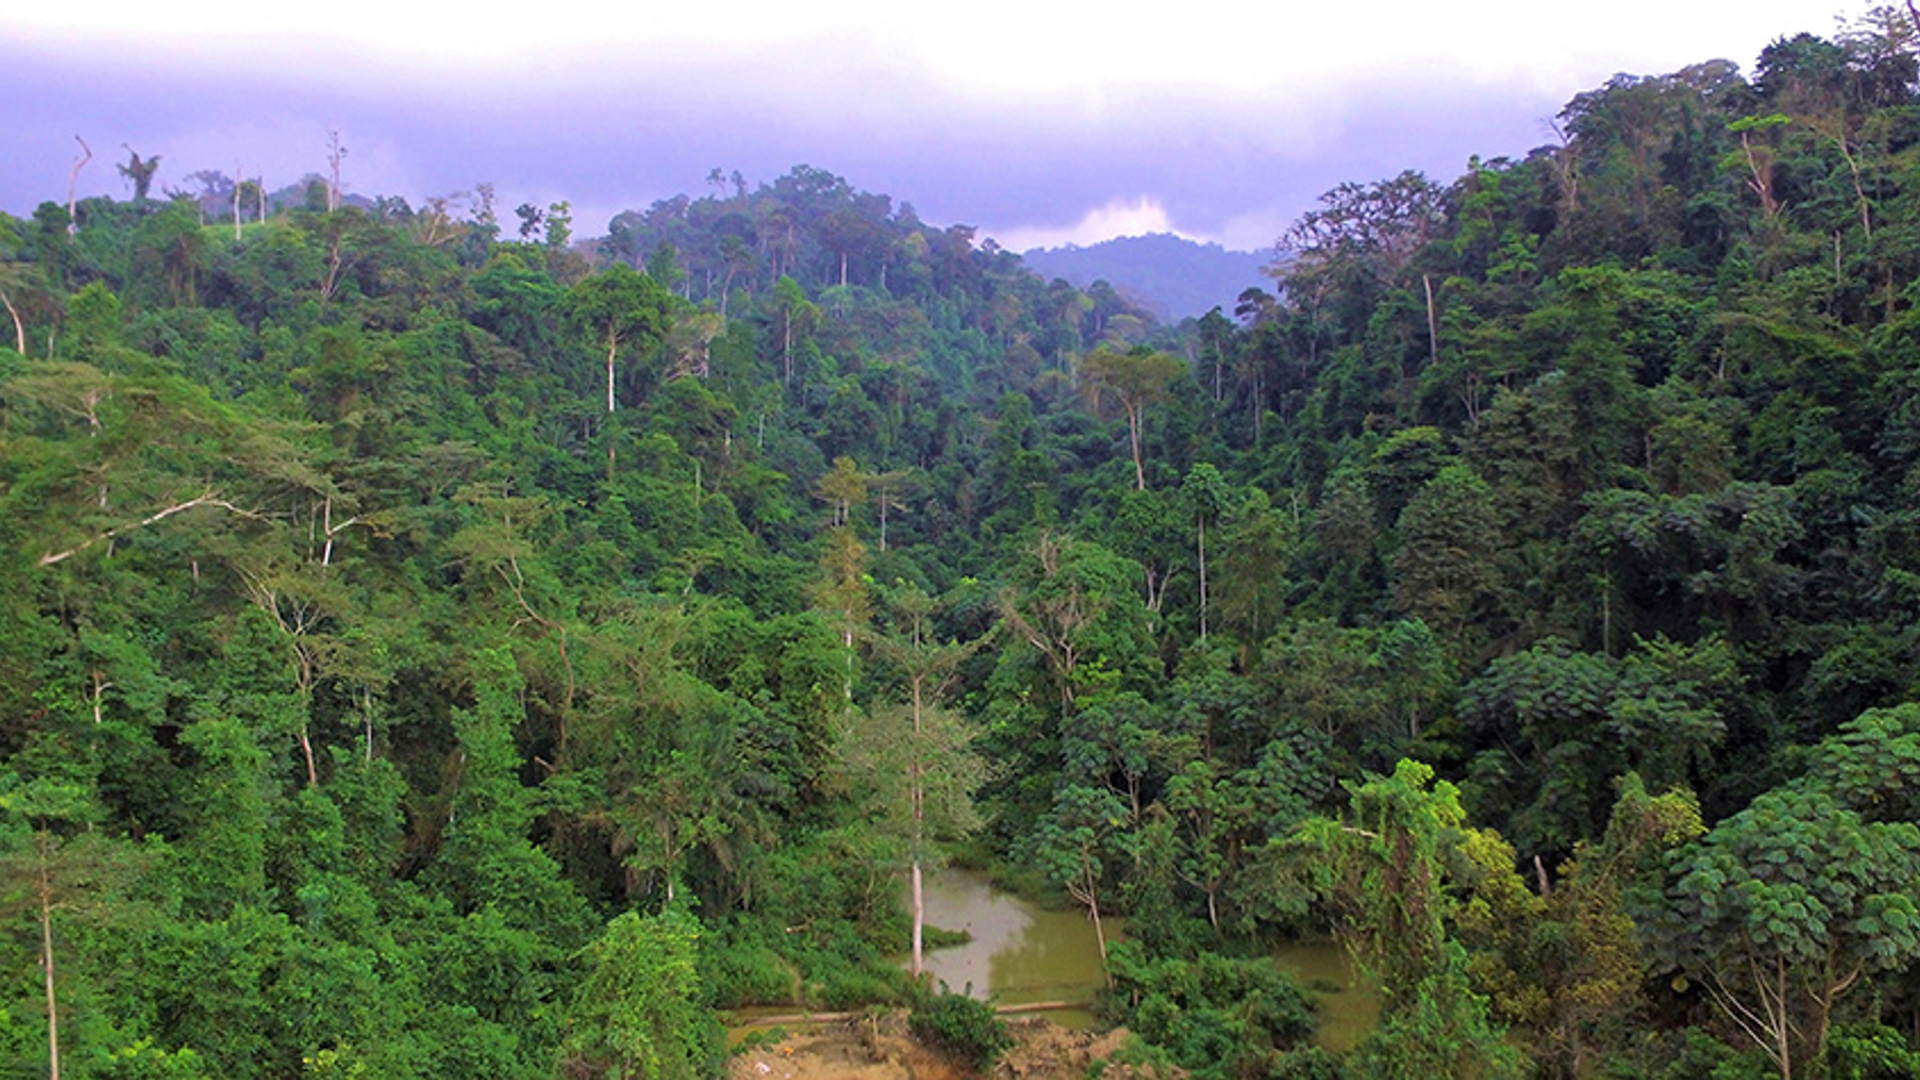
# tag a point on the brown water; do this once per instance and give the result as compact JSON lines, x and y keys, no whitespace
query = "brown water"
{"x":1349,"y":1007}
{"x":1019,"y":952}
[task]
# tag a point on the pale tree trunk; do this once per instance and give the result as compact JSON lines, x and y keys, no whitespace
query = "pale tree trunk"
{"x":101,"y":684}
{"x":1203,"y":590}
{"x":306,"y":749}
{"x":919,"y":921}
{"x":1259,"y":403}
{"x":330,"y":530}
{"x":73,"y":179}
{"x":334,"y":262}
{"x":306,"y":673}
{"x":335,"y":153}
{"x":1133,"y":436}
{"x":1099,"y":932}
{"x":46,"y":963}
{"x":1760,"y":179}
{"x":19,"y":328}
{"x":917,"y":795}
{"x":613,"y":346}
{"x":1433,"y":322}
{"x":786,"y":347}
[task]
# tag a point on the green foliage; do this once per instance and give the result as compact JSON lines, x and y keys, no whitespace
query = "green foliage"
{"x":1380,"y":871}
{"x":1217,"y":1016}
{"x":1780,"y":909}
{"x":1870,"y":1052}
{"x":1442,"y":1030}
{"x":364,"y":653}
{"x":144,"y":1061}
{"x":638,"y":1012}
{"x":1576,"y":720}
{"x":965,"y":1027}
{"x":1447,"y":564}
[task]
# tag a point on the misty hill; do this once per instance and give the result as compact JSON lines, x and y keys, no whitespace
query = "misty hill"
{"x":1172,"y":277}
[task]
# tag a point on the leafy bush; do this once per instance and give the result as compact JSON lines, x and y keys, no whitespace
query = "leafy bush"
{"x":1870,"y":1052}
{"x":747,"y":973}
{"x":638,"y":1014}
{"x":1219,"y":1016}
{"x":966,"y":1028}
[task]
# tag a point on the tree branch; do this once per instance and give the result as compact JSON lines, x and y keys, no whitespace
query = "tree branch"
{"x":209,"y":499}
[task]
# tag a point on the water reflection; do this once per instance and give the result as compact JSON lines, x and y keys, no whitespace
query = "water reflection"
{"x":1019,"y":952}
{"x":1349,"y":1007}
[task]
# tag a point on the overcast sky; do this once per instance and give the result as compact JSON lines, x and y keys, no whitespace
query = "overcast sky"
{"x":1040,"y":123}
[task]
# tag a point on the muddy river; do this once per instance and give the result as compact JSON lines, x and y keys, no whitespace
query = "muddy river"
{"x":1021,"y":953}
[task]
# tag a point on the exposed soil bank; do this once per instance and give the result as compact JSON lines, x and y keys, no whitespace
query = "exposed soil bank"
{"x":881,"y":1048}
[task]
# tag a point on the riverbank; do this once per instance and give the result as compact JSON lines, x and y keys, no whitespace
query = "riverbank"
{"x":878,"y":1046}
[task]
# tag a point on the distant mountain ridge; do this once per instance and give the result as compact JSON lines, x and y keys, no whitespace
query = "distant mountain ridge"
{"x":1173,"y":277}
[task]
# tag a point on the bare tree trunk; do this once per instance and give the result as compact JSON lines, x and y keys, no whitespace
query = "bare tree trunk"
{"x":1203,"y":603}
{"x":1433,"y":323}
{"x":1133,"y":436}
{"x":1760,"y":179}
{"x":1099,"y":932}
{"x":918,"y":797}
{"x":19,"y":328}
{"x":46,"y":962}
{"x":73,"y":179}
{"x":335,"y":153}
{"x":306,"y":749}
{"x":919,"y":920}
{"x":786,"y":347}
{"x":332,"y":278}
{"x":1859,"y":191}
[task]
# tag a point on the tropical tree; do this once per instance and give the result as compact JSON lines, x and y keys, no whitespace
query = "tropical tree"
{"x":941,"y":768}
{"x":620,"y":309}
{"x":1137,"y":378}
{"x":1788,"y":905}
{"x":1382,"y":874}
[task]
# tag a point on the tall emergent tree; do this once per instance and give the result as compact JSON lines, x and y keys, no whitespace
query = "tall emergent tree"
{"x":1137,"y":378}
{"x":619,"y":308}
{"x":941,"y":768}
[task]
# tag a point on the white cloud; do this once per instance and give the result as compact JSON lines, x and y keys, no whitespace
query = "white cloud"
{"x":1022,"y":112}
{"x":1136,"y":216}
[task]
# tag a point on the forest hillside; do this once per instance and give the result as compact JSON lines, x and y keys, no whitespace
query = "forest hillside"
{"x":433,"y":646}
{"x":1172,"y":277}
